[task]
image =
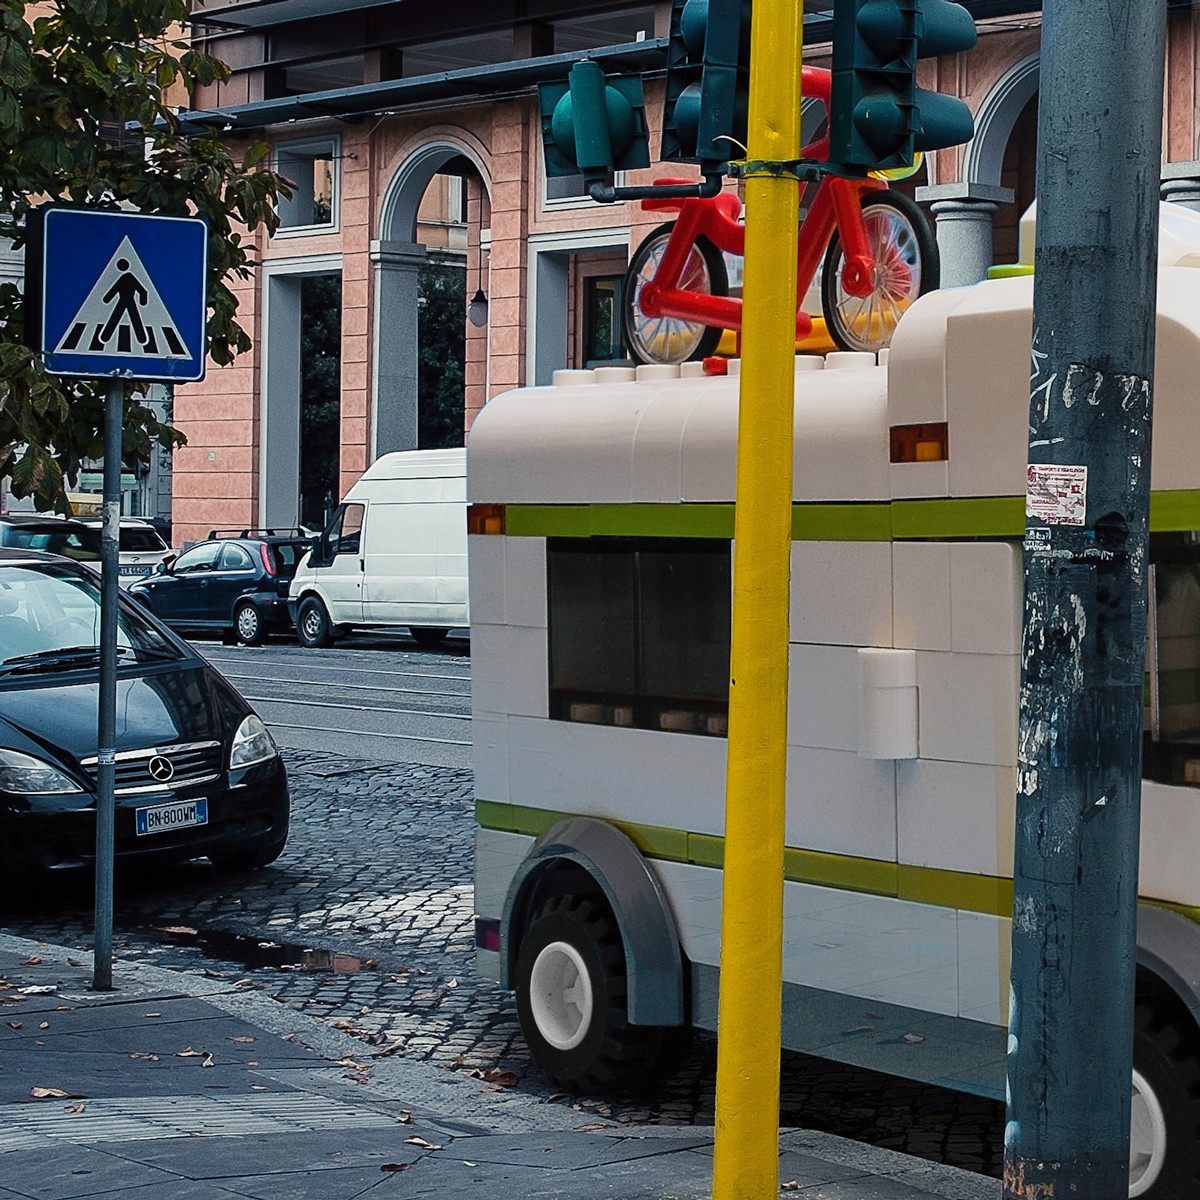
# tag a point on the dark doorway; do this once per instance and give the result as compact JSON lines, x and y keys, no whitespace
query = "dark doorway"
{"x":441,"y":333}
{"x":320,"y":396}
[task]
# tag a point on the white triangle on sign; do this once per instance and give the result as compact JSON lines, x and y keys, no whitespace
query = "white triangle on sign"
{"x":123,"y":315}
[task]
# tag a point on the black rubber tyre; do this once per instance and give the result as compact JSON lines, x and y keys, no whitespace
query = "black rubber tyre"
{"x":586,"y":1046}
{"x":427,"y":637}
{"x":313,"y":626}
{"x":248,"y":625}
{"x":666,"y":339}
{"x":1166,"y":1057}
{"x":899,"y":235}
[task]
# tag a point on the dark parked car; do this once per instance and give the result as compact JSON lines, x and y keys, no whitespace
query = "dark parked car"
{"x":56,"y":535}
{"x":236,"y":584}
{"x":197,"y":772}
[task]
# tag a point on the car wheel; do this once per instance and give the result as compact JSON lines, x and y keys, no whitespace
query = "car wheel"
{"x":1164,"y":1157}
{"x":248,"y":860}
{"x":313,"y":626}
{"x":571,"y":998}
{"x":427,"y":637}
{"x":248,"y":624}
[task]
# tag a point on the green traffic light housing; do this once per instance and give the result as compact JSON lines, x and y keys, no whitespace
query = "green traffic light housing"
{"x":708,"y":81}
{"x":593,"y":125}
{"x":879,"y":118}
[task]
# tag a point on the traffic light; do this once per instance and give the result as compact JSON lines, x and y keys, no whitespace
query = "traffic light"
{"x":708,"y":76}
{"x":593,"y":125}
{"x":878,"y":117}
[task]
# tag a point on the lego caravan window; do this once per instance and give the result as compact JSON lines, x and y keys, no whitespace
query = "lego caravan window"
{"x":1172,"y":714}
{"x":639,"y":633}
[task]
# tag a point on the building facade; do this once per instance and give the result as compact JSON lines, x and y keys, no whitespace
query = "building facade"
{"x":381,"y":111}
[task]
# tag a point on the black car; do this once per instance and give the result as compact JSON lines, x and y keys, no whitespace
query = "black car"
{"x":56,"y":535}
{"x":233,"y":583}
{"x":197,"y":772}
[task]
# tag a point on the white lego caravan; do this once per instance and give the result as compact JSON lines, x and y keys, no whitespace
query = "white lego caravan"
{"x":601,"y":517}
{"x":394,"y":553}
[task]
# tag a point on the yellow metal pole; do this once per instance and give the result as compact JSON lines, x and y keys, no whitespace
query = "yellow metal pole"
{"x":746,"y":1155}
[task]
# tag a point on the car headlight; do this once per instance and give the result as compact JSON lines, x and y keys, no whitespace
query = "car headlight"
{"x":24,"y":775}
{"x":251,"y":744}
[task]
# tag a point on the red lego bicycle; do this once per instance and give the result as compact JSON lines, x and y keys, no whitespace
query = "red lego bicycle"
{"x":879,"y":256}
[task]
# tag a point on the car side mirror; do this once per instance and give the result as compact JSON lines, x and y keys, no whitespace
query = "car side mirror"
{"x":166,"y":565}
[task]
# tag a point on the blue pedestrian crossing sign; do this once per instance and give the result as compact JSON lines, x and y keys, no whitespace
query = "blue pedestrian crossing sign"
{"x":123,"y":294}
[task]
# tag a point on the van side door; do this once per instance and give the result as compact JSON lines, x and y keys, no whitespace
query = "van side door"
{"x":341,"y":571}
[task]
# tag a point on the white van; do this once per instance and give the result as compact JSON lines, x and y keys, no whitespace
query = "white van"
{"x":394,"y":553}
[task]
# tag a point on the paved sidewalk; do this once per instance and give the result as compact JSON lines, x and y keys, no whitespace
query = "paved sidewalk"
{"x":180,"y":1087}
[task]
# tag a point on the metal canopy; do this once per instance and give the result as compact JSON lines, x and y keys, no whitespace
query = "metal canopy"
{"x":487,"y":81}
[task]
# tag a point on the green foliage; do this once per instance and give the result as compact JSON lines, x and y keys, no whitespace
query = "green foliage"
{"x":71,"y":80}
{"x":441,"y":331}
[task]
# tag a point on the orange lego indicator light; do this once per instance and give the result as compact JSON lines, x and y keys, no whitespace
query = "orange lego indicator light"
{"x":485,"y":518}
{"x":920,"y":443}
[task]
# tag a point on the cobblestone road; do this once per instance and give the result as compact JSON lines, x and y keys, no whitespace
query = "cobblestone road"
{"x":375,"y":885}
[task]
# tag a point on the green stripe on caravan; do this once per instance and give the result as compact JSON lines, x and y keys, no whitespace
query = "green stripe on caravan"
{"x":925,"y":885}
{"x":906,"y":520}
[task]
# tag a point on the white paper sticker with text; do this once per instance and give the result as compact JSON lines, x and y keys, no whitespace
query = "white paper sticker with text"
{"x":1056,"y":495}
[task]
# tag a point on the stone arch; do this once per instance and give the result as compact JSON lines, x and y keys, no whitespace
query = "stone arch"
{"x":396,"y":258}
{"x":983,"y":160}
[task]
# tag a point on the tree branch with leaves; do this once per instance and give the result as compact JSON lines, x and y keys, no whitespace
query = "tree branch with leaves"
{"x":84,"y":120}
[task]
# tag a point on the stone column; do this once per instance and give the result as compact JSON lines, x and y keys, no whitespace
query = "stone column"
{"x":394,"y":387}
{"x":964,"y":214}
{"x":1181,"y":184}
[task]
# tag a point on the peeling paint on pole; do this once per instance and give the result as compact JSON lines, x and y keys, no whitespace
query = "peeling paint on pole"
{"x":1082,"y":669}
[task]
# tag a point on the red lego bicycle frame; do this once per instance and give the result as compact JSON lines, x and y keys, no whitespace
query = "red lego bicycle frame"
{"x":836,"y":205}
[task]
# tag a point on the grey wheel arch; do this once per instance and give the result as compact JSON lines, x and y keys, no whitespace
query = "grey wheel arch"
{"x":1168,"y":945}
{"x":653,"y":960}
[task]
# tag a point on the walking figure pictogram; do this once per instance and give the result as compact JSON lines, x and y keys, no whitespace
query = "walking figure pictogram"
{"x":129,"y":294}
{"x":123,"y":314}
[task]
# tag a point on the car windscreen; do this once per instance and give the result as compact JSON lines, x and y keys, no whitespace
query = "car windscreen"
{"x":141,"y":541}
{"x":83,"y":545}
{"x":287,"y":556}
{"x":50,"y":620}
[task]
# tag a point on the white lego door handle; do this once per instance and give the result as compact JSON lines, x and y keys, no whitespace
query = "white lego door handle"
{"x":887,"y":703}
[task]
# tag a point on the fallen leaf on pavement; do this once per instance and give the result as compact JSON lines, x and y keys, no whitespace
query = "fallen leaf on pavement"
{"x":352,"y":1064}
{"x":420,"y":1141}
{"x":242,"y":1038}
{"x":395,"y":1166}
{"x":74,"y":1108}
{"x":258,"y":1087}
{"x":452,"y":984}
{"x":75,"y":962}
{"x":154,"y":1014}
{"x":243,"y":983}
{"x":45,"y":1093}
{"x":591,"y":1128}
{"x":189,"y":1053}
{"x":468,"y":1164}
{"x":254,"y":1063}
{"x":394,"y":1048}
{"x":176,"y":929}
{"x":15,"y":1024}
{"x":144,"y":1055}
{"x":501,"y":1078}
{"x":33,"y":960}
{"x":208,"y":1061}
{"x":40,"y":989}
{"x":913,"y":1038}
{"x":791,"y":1186}
{"x":405,"y":1117}
{"x":557,"y":1096}
{"x":62,"y":1008}
{"x":211,"y":974}
{"x":44,"y":1025}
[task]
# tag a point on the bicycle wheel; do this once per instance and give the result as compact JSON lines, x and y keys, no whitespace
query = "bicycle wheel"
{"x":906,"y":266}
{"x":669,"y":339}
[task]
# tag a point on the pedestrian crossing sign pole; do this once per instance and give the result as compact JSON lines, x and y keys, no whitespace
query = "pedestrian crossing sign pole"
{"x":120,"y":293}
{"x":117,"y":296}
